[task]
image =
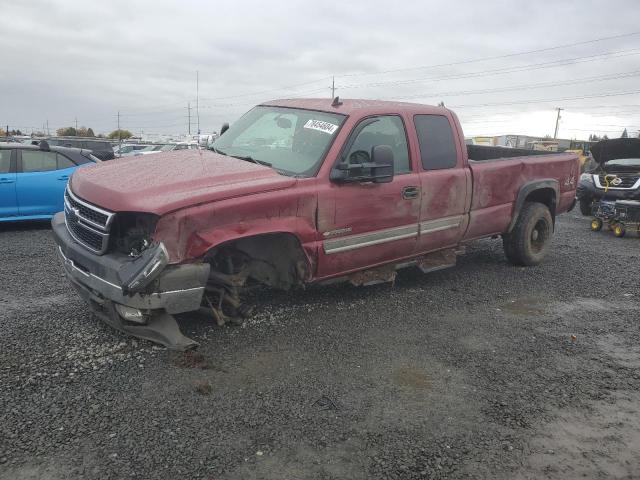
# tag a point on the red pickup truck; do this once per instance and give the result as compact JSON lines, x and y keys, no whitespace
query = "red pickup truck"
{"x":298,"y":191}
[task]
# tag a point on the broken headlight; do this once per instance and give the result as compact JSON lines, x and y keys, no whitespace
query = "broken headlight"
{"x":133,"y":232}
{"x":141,"y":271}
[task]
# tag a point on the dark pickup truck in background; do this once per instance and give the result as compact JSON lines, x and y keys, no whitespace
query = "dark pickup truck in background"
{"x":615,"y":174}
{"x":299,"y":191}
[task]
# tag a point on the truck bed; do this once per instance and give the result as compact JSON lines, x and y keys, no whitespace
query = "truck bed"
{"x":480,"y":153}
{"x":498,"y":180}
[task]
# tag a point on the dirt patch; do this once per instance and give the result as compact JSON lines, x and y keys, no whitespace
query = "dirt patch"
{"x":204,"y":387}
{"x":191,"y":359}
{"x":411,"y":377}
{"x":599,"y":443}
{"x":524,"y":306}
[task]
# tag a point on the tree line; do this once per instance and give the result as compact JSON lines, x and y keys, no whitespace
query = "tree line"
{"x":88,"y":132}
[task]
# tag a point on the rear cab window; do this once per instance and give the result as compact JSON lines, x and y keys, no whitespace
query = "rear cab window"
{"x":437,"y":142}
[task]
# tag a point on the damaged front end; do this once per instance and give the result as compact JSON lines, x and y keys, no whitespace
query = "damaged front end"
{"x":131,"y":285}
{"x":274,"y":260}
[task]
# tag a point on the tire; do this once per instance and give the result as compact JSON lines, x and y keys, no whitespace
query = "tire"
{"x":596,"y":225}
{"x":585,"y":206}
{"x":529,"y":241}
{"x":619,"y":230}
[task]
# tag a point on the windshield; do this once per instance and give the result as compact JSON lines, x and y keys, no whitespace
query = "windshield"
{"x":293,"y":141}
{"x":167,"y":148}
{"x":624,"y":162}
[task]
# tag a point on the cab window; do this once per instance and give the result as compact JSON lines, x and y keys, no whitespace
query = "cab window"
{"x":437,"y":142}
{"x":384,"y":130}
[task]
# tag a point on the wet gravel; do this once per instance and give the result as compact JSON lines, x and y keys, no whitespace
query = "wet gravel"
{"x":481,"y":371}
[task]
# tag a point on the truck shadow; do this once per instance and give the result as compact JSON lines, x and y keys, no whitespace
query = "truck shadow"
{"x":24,"y":226}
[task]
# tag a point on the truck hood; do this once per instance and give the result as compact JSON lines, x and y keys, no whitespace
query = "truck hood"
{"x":166,"y":182}
{"x":616,"y":148}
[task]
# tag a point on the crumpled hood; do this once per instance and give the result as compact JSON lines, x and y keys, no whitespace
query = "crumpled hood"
{"x":612,"y":149}
{"x":166,"y":182}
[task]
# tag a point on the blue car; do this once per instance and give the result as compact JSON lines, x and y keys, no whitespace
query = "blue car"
{"x":33,"y":179}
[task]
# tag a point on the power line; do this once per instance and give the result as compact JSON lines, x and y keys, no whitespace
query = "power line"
{"x":157,"y":112}
{"x":476,"y":60}
{"x":268,"y":91}
{"x":583,"y":97}
{"x":495,"y":57}
{"x":502,"y":70}
{"x":596,"y":78}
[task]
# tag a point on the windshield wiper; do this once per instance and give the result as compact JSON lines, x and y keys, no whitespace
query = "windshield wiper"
{"x":251,"y":159}
{"x":246,"y":158}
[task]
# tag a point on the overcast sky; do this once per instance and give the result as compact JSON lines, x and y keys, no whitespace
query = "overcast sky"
{"x":64,"y":59}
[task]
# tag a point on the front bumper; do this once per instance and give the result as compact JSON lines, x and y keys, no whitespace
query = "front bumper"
{"x":97,"y":278}
{"x":586,"y":189}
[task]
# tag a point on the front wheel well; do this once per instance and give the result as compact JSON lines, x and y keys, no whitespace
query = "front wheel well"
{"x":274,"y":259}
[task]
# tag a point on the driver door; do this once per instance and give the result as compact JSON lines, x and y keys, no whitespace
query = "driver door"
{"x":366,"y":224}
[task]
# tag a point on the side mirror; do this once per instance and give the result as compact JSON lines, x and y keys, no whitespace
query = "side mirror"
{"x":382,"y":157}
{"x":224,"y":128}
{"x":362,"y":167}
{"x":44,"y":146}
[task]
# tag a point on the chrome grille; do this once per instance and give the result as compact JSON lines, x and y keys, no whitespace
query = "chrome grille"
{"x":626,"y":181}
{"x":87,"y":224}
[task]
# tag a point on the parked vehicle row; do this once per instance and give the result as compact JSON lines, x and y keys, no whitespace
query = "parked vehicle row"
{"x":33,"y":178}
{"x":134,"y":150}
{"x":102,"y":149}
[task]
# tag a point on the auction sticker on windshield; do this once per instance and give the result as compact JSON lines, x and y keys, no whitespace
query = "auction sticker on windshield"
{"x":321,"y":126}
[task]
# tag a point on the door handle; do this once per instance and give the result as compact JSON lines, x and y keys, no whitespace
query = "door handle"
{"x":63,"y":177}
{"x":6,"y":180}
{"x":410,"y":192}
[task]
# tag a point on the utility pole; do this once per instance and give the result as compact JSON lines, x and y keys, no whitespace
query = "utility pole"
{"x":119,"y":140}
{"x":555,"y":133}
{"x":76,"y":125}
{"x":189,"y":116}
{"x":48,"y":131}
{"x":198,"y":100}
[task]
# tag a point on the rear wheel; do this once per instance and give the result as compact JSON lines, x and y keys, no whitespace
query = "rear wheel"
{"x":585,"y":206}
{"x":529,"y":241}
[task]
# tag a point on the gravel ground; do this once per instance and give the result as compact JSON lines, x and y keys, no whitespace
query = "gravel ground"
{"x":481,"y":371}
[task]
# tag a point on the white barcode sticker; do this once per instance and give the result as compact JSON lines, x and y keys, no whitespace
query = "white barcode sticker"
{"x":321,"y":126}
